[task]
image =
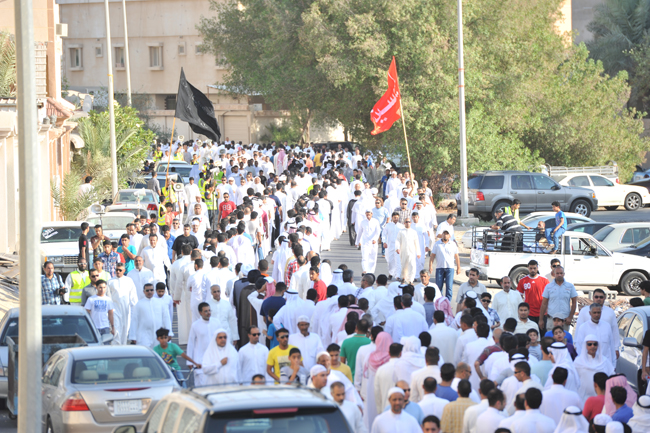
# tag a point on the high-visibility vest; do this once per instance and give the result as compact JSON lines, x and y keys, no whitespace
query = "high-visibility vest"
{"x":157,"y":155}
{"x":169,"y":194}
{"x":209,"y":201}
{"x":515,"y":213}
{"x":201,"y":184}
{"x":79,"y":281}
{"x":178,"y":156}
{"x":161,"y":217}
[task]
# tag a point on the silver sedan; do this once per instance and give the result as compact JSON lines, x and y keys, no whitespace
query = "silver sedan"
{"x":95,"y":389}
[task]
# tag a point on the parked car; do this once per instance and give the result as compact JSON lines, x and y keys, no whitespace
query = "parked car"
{"x":180,"y":167}
{"x":632,"y":326}
{"x":531,"y":220}
{"x":587,"y":227}
{"x":610,"y":194}
{"x":245,"y":409}
{"x":161,"y":180}
{"x":60,"y":244}
{"x":641,"y":248}
{"x":140,"y":211}
{"x":59,"y":320}
{"x":621,"y":235}
{"x":559,"y":172}
{"x":95,"y":389}
{"x":113,"y":223}
{"x":129,"y":198}
{"x":492,"y":190}
{"x":640,"y":174}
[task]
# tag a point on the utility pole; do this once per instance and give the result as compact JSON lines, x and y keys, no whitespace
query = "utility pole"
{"x":111,"y":109}
{"x":126,"y":58}
{"x":461,"y":104}
{"x":30,"y":337}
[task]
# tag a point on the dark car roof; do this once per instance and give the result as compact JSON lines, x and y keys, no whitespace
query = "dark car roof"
{"x":234,"y":398}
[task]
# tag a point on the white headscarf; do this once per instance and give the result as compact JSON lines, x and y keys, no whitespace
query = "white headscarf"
{"x":326,"y":273}
{"x":563,"y":359}
{"x":411,"y":352}
{"x":587,"y":366}
{"x":615,"y":427}
{"x":215,"y":372}
{"x":572,"y":421}
{"x":641,"y":419}
{"x":337,"y":278}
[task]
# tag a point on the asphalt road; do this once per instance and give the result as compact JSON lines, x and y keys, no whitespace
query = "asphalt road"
{"x":342,"y":252}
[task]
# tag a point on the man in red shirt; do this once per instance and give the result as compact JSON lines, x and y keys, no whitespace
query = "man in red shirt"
{"x":226,"y":207}
{"x":532,"y":287}
{"x":319,"y":285}
{"x":594,"y":405}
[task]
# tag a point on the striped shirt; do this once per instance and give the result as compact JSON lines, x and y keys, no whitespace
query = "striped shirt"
{"x":49,"y":290}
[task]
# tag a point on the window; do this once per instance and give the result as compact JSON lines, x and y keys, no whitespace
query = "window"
{"x":181,"y":48}
{"x":99,"y":51}
{"x":120,"y":370}
{"x":628,"y":237}
{"x":198,"y":49}
{"x":640,"y":233}
{"x":189,"y":421}
{"x":579,"y":181}
{"x":76,"y":58}
{"x":543,"y":182}
{"x":156,"y":417}
{"x":155,"y":57}
{"x":623,"y":324}
{"x":601,"y":181}
{"x":492,"y":182}
{"x":521,"y":181}
{"x":636,"y":330}
{"x":119,"y":57}
{"x":474,"y":182}
{"x":170,"y":104}
{"x":601,"y":234}
{"x":170,"y":419}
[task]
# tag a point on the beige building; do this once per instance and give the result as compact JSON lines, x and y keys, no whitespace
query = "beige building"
{"x":162,"y":39}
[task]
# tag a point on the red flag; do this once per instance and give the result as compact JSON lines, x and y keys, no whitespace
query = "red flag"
{"x":387,"y":110}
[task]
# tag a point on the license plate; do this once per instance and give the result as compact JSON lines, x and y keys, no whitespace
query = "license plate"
{"x":127,"y":407}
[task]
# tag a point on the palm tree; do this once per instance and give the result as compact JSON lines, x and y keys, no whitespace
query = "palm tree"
{"x":618,"y":27}
{"x":7,"y":65}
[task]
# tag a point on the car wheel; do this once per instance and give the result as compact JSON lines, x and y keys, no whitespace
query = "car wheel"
{"x":517,"y":274}
{"x":611,"y":207}
{"x":632,"y":201}
{"x":500,"y":205}
{"x":484,"y":217}
{"x":630,"y":283}
{"x":581,"y":207}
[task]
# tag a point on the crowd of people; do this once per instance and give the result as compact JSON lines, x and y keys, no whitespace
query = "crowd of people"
{"x":258,"y":304}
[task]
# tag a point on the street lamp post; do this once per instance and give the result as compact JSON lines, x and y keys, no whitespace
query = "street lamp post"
{"x":111,"y":109}
{"x":126,"y":58}
{"x":461,"y":103}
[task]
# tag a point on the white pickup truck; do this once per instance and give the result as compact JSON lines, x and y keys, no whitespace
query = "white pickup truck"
{"x":586,"y":262}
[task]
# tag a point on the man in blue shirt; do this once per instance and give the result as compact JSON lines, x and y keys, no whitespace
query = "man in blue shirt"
{"x":560,"y":226}
{"x":381,"y":214}
{"x":623,"y":411}
{"x":166,"y":232}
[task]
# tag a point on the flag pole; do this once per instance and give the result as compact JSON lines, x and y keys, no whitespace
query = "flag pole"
{"x":406,"y":140}
{"x":171,"y":143}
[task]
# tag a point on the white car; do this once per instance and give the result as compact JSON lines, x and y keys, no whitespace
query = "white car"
{"x":621,"y":235}
{"x":531,"y":220}
{"x":610,"y":194}
{"x":113,"y":223}
{"x":60,"y":244}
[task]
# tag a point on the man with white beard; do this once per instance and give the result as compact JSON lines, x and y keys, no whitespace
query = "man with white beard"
{"x":181,"y":295}
{"x":123,"y":294}
{"x":198,"y":287}
{"x":149,"y":315}
{"x":140,"y":276}
{"x":253,"y":356}
{"x":201,"y":333}
{"x":368,"y":233}
{"x":223,"y":313}
{"x":389,"y":237}
{"x":408,"y":248}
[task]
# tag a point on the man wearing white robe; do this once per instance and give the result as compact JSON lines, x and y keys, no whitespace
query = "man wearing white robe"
{"x":222,"y":312}
{"x":368,"y":233}
{"x":155,"y":259}
{"x":389,"y":237}
{"x":589,"y":362}
{"x":140,"y":276}
{"x":243,"y":247}
{"x":533,"y":421}
{"x":489,"y":420}
{"x":334,"y":321}
{"x":149,"y":315}
{"x":424,"y":240}
{"x":557,"y":397}
{"x":443,"y":337}
{"x":180,"y":294}
{"x":287,"y":315}
{"x":300,"y":282}
{"x":310,"y":344}
{"x":406,"y":322}
{"x":474,"y":349}
{"x":350,"y":410}
{"x":468,"y":335}
{"x":198,"y":288}
{"x":123,"y":294}
{"x":384,"y":381}
{"x":432,"y":359}
{"x":607,"y":315}
{"x":200,"y":335}
{"x":602,"y":330}
{"x":407,"y":247}
{"x":506,"y":302}
{"x":252,"y":357}
{"x":395,"y":419}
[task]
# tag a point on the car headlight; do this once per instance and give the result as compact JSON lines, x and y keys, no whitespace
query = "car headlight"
{"x":56,"y":259}
{"x":593,"y":195}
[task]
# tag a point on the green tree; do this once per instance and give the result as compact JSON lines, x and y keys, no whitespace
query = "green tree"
{"x":7,"y":65}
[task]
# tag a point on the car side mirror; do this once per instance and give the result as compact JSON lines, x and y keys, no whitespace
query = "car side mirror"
{"x":125,"y":429}
{"x":631,"y":342}
{"x":555,"y":187}
{"x":107,"y":338}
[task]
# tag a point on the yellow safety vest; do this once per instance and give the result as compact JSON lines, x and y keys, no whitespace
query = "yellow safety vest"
{"x":169,"y":194}
{"x":161,"y":217}
{"x":178,"y":157}
{"x":202,"y":186}
{"x":514,"y":214}
{"x":79,"y":281}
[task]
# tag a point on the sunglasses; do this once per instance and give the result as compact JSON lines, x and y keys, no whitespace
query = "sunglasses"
{"x":486,"y":301}
{"x":407,"y":222}
{"x":599,"y":297}
{"x":94,"y":276}
{"x":257,"y":334}
{"x":119,"y":270}
{"x":592,"y":344}
{"x":517,"y":372}
{"x":554,"y":266}
{"x":282,"y":336}
{"x":148,"y":290}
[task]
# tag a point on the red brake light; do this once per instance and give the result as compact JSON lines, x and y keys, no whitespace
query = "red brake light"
{"x":278,"y":410}
{"x":486,"y":260}
{"x":74,"y":403}
{"x":618,"y":181}
{"x":152,"y":207}
{"x":480,"y":196}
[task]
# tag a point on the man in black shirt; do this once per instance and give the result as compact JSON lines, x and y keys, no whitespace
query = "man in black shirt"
{"x":84,"y":245}
{"x":513,"y":230}
{"x":185,"y":239}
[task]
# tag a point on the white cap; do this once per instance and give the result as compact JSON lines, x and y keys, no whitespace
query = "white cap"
{"x":317,"y":369}
{"x":396,"y":390}
{"x":246,"y":269}
{"x":303,"y":319}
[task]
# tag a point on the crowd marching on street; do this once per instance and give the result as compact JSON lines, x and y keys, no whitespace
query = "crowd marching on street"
{"x":237,"y":252}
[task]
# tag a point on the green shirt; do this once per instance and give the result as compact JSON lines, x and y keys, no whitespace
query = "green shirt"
{"x":646,"y":301}
{"x":350,"y":347}
{"x":169,"y":354}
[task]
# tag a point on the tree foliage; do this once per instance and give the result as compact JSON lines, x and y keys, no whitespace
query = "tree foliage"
{"x":8,"y":76}
{"x":531,"y":96}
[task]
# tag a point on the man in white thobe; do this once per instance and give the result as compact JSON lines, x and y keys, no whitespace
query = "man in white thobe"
{"x":443,"y":337}
{"x":389,"y":236}
{"x":123,"y":294}
{"x":406,"y":322}
{"x":300,"y":282}
{"x":180,"y":294}
{"x":607,"y":315}
{"x":430,"y":403}
{"x":223,"y":313}
{"x":350,"y":410}
{"x":368,"y":233}
{"x":468,"y":335}
{"x":557,"y":397}
{"x":506,"y":302}
{"x":432,"y":358}
{"x":201,"y":332}
{"x":149,"y":315}
{"x":252,"y":357}
{"x":474,"y":349}
{"x":424,"y":240}
{"x":140,"y":276}
{"x":198,"y":288}
{"x":533,"y":421}
{"x":309,"y":344}
{"x":489,"y":420}
{"x":408,"y":248}
{"x":155,"y":259}
{"x":602,"y":330}
{"x":395,"y":419}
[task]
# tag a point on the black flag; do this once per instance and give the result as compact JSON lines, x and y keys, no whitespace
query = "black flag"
{"x":196,"y":109}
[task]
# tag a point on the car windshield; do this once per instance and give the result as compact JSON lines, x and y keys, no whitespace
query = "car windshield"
{"x":642,"y":243}
{"x":474,"y":182}
{"x":601,"y":234}
{"x":182,"y":169}
{"x":114,"y":370}
{"x":111,"y":222}
{"x":53,"y":234}
{"x":55,"y":325}
{"x":129,"y":197}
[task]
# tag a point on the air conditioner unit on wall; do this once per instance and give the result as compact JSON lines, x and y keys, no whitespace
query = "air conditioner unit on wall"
{"x":62,"y":30}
